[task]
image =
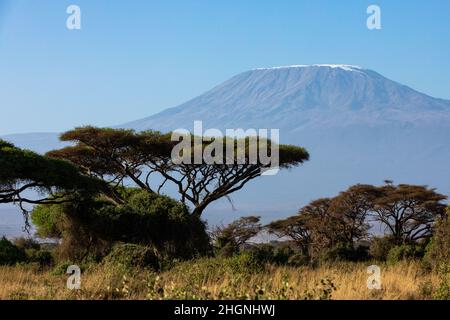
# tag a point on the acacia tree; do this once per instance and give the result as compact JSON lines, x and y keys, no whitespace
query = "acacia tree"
{"x":327,"y":222}
{"x":408,"y":212}
{"x":323,"y":224}
{"x":114,"y":155}
{"x":236,"y":234}
{"x":313,"y":229}
{"x":293,"y":228}
{"x":351,"y":209}
{"x":54,"y":180}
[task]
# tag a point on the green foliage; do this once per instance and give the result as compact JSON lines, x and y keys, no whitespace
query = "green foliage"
{"x":10,"y":254}
{"x":153,"y":219}
{"x":243,"y":263}
{"x":443,"y":289}
{"x":34,"y":252}
{"x":145,"y":218}
{"x":323,"y":290}
{"x":26,"y":243}
{"x":257,"y":257}
{"x":106,"y":153}
{"x":229,"y":240}
{"x":299,"y":259}
{"x":48,"y":220}
{"x":125,"y":256}
{"x":344,"y":252}
{"x":283,"y":255}
{"x":438,"y":250}
{"x":404,"y":252}
{"x":41,"y":257}
{"x":61,"y":268}
{"x":33,"y":171}
{"x":380,"y":247}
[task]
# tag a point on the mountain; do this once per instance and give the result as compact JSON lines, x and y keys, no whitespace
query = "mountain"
{"x":297,"y":97}
{"x":359,"y":127}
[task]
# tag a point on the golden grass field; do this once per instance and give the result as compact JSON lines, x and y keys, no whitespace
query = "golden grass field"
{"x":206,"y":279}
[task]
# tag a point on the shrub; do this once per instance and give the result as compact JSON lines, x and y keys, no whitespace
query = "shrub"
{"x":126,"y":256}
{"x":261,"y":254}
{"x":26,"y":243}
{"x":230,"y":239}
{"x":89,"y":227}
{"x":443,"y":290}
{"x":344,"y":252}
{"x":48,"y":220}
{"x":282,"y":255}
{"x":42,"y":257}
{"x":9,"y":253}
{"x":244,"y":263}
{"x":298,"y":259}
{"x":227,"y":250}
{"x":404,"y":252}
{"x":380,"y":247}
{"x":438,"y":250}
{"x":61,"y":267}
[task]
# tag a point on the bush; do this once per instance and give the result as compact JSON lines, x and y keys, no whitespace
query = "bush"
{"x":89,"y":227}
{"x":380,"y":247}
{"x":344,"y":252}
{"x":298,"y":259}
{"x":151,"y":219}
{"x":261,"y":254}
{"x":26,"y":243}
{"x":404,"y":252}
{"x":438,"y":250}
{"x":443,"y":289}
{"x":268,"y":254}
{"x":10,"y":254}
{"x":282,"y":255}
{"x":42,"y":257}
{"x":244,"y":262}
{"x":48,"y":220}
{"x":127,"y":256}
{"x":61,"y":268}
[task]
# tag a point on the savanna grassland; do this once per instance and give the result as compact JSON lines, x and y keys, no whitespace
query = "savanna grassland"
{"x":214,"y":278}
{"x":134,"y":242}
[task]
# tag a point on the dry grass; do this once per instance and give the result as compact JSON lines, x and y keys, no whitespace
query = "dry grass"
{"x":207,"y":279}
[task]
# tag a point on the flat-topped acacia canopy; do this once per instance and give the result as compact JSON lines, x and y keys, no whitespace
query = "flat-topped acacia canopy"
{"x":22,"y":170}
{"x":114,"y":155}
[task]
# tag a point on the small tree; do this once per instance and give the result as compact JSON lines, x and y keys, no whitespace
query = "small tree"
{"x":313,"y":229}
{"x":231,"y":238}
{"x":294,"y":228}
{"x":350,"y":210}
{"x":438,"y":250}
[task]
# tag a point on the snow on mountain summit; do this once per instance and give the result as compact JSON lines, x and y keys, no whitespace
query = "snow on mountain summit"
{"x":345,"y":67}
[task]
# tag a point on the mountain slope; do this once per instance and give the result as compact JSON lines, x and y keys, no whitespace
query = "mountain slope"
{"x":297,"y":97}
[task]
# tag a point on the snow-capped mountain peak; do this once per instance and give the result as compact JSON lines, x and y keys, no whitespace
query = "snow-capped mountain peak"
{"x":345,"y":67}
{"x":300,"y":96}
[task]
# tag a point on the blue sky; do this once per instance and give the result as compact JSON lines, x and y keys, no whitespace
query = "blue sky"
{"x":134,"y":58}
